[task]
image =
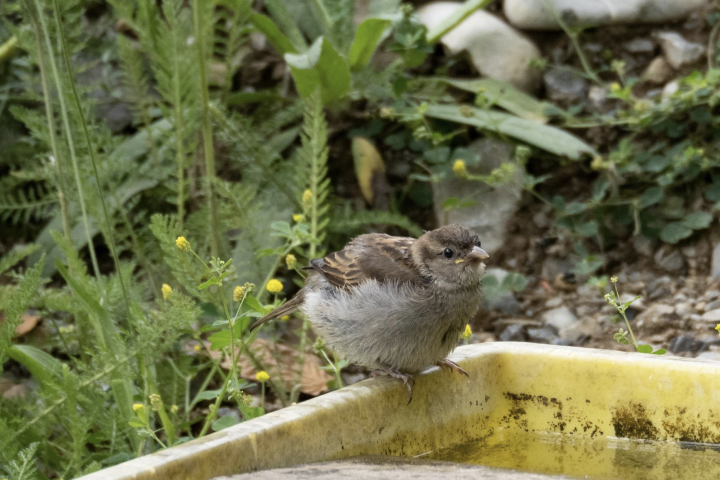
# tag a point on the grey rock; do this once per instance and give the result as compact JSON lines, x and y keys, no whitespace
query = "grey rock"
{"x":495,"y":207}
{"x":712,"y":316}
{"x":559,"y":318}
{"x":684,"y":343}
{"x":554,"y":302}
{"x":696,"y":318}
{"x":712,"y":294}
{"x":669,"y":259}
{"x":587,"y":327}
{"x":562,"y":85}
{"x":552,"y":267}
{"x":683,"y":309}
{"x":714,"y":305}
{"x":561,"y":342}
{"x":643,"y":245}
{"x":586,"y":310}
{"x":496,"y":49}
{"x":597,"y":97}
{"x":678,"y":51}
{"x":538,"y":15}
{"x":680,"y":297}
{"x":541,"y":219}
{"x":229,"y":412}
{"x":711,"y":355}
{"x":708,"y":342}
{"x":513,"y":333}
{"x":716,"y":261}
{"x":589,"y":291}
{"x":639,"y":45}
{"x":656,"y":318}
{"x":541,"y":335}
{"x":658,"y":71}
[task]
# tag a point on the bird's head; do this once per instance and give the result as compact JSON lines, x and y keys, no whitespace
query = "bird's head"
{"x":451,"y":256}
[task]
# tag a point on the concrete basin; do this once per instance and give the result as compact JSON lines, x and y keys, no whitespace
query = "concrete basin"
{"x":514,"y":389}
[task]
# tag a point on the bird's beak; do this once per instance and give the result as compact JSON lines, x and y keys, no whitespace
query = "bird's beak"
{"x":477,"y":255}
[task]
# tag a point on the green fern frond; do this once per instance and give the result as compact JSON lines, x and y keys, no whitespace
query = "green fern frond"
{"x":23,"y":466}
{"x":24,"y":205}
{"x":311,"y":170}
{"x":15,"y":255}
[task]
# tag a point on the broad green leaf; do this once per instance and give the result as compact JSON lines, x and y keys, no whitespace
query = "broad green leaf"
{"x":136,"y":422}
{"x":515,"y":282}
{"x":320,"y":67}
{"x":366,"y":41}
{"x":651,"y":196}
{"x":698,"y":220}
{"x":278,"y":10}
{"x":644,"y":349}
{"x":587,"y":229}
{"x":43,"y":367}
{"x":209,"y":283}
{"x":660,"y":351}
{"x":253,"y":303}
{"x":545,"y":137}
{"x":220,"y":340}
{"x":506,"y":96}
{"x":455,"y":19}
{"x":629,"y":302}
{"x":674,"y":232}
{"x":276,"y":38}
{"x":208,"y":395}
{"x":223,"y":422}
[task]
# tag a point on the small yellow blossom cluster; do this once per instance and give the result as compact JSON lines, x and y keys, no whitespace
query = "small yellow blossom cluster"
{"x":238,"y":293}
{"x":467,"y":333}
{"x":307,"y":199}
{"x":156,"y":401}
{"x":262,"y":376}
{"x":460,"y":169}
{"x":614,"y":279}
{"x":285,"y":318}
{"x":166,"y":291}
{"x":182,"y":244}
{"x":290,"y":261}
{"x":274,"y":286}
{"x":174,"y":409}
{"x":298,"y":217}
{"x":718,"y":327}
{"x":137,"y":406}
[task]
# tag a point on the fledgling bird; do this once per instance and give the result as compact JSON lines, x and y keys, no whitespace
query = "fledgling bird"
{"x":395,"y":304}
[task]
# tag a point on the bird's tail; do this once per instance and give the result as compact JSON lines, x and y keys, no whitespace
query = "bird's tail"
{"x":284,"y":309}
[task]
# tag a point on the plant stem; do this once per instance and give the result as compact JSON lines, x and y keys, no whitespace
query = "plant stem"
{"x":108,"y":226}
{"x":207,"y":131}
{"x":262,"y":395}
{"x":627,"y":322}
{"x":455,"y":19}
{"x":214,"y":408}
{"x":70,"y":140}
{"x":338,"y":379}
{"x":49,"y":114}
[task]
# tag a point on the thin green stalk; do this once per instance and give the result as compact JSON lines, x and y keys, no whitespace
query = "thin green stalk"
{"x":108,"y":226}
{"x":53,"y":133}
{"x":338,"y":379}
{"x":627,"y":322}
{"x":262,"y":394}
{"x":214,"y":408}
{"x":70,"y":140}
{"x":207,"y":131}
{"x":467,"y":9}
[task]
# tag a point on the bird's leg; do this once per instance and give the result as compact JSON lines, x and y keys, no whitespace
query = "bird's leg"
{"x":408,"y":380}
{"x":454,"y":367}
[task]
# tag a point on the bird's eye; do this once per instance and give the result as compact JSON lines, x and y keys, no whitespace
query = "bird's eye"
{"x":448,"y":253}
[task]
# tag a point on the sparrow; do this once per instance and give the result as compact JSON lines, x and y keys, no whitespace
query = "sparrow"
{"x":396,"y":305}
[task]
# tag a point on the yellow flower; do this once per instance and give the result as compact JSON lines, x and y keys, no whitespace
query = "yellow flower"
{"x":155,"y":401}
{"x":298,"y":217}
{"x":467,"y":333}
{"x":290,"y":260}
{"x":460,"y":169}
{"x":262,"y":376}
{"x":196,"y":348}
{"x":274,"y":286}
{"x":285,"y":318}
{"x":182,"y":244}
{"x":718,"y":327}
{"x":307,"y":199}
{"x":615,"y":87}
{"x":238,"y":293}
{"x":614,"y":279}
{"x":174,"y":409}
{"x":598,"y":163}
{"x":166,"y":290}
{"x":137,"y":406}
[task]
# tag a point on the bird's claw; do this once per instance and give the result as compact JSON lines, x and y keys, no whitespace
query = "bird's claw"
{"x":408,"y":380}
{"x":454,"y":367}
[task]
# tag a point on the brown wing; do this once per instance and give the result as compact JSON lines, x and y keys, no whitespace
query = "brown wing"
{"x":372,"y":256}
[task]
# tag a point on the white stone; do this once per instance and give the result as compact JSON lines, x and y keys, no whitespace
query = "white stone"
{"x":711,"y":316}
{"x":559,"y":318}
{"x":497,"y":50}
{"x":716,"y":261}
{"x":539,"y":14}
{"x":658,"y":72}
{"x":678,"y":51}
{"x":554,"y":302}
{"x":669,"y":90}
